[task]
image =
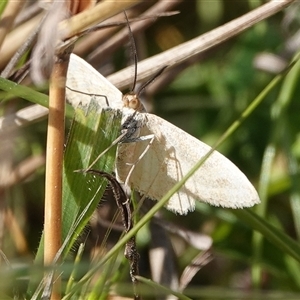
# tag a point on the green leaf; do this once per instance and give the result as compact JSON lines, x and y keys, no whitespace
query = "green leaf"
{"x":88,"y":138}
{"x":29,"y":94}
{"x":274,"y":235}
{"x":3,"y":4}
{"x":93,"y":131}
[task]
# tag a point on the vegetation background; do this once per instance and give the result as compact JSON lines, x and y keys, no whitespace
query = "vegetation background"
{"x":203,"y":96}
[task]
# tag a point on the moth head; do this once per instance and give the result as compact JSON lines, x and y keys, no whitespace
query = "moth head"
{"x":131,"y":100}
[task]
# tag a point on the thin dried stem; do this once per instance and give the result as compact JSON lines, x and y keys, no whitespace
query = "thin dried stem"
{"x":7,"y":19}
{"x":99,"y":34}
{"x":23,"y":170}
{"x":28,"y":13}
{"x":178,"y":54}
{"x":109,"y":46}
{"x":20,"y":52}
{"x":16,"y":38}
{"x":21,"y":118}
{"x":99,"y":13}
{"x":88,"y":42}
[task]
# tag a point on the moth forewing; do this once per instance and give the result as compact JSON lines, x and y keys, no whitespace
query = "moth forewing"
{"x":83,"y":82}
{"x":171,"y":156}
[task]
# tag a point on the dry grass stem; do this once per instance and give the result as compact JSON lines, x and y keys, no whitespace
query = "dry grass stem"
{"x":28,"y":13}
{"x":99,"y":13}
{"x":178,"y":54}
{"x":21,"y":118}
{"x":22,"y":171}
{"x":54,"y":164}
{"x":78,"y":6}
{"x":102,"y":51}
{"x":16,"y":38}
{"x":12,"y":9}
{"x":21,"y":51}
{"x":88,"y":42}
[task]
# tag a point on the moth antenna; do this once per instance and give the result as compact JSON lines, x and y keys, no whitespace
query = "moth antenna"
{"x":158,"y":73}
{"x":133,"y":47}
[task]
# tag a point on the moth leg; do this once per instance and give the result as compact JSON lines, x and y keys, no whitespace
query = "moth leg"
{"x":89,"y":94}
{"x":117,"y":140}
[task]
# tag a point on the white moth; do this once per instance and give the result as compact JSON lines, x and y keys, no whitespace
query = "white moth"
{"x":170,"y":156}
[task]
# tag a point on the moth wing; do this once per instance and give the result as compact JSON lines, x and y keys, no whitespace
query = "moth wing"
{"x":173,"y":153}
{"x":83,"y":81}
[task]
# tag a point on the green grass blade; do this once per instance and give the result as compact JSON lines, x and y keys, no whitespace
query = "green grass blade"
{"x":274,"y":235}
{"x":29,"y":94}
{"x":92,"y":132}
{"x":2,"y":6}
{"x":88,"y":138}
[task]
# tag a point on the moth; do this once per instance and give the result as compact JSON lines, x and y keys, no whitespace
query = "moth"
{"x":171,"y":154}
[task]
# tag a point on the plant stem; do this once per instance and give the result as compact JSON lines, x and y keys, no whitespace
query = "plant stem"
{"x":54,"y":164}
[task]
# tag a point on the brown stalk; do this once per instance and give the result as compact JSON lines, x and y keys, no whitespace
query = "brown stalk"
{"x":54,"y":163}
{"x":55,"y":150}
